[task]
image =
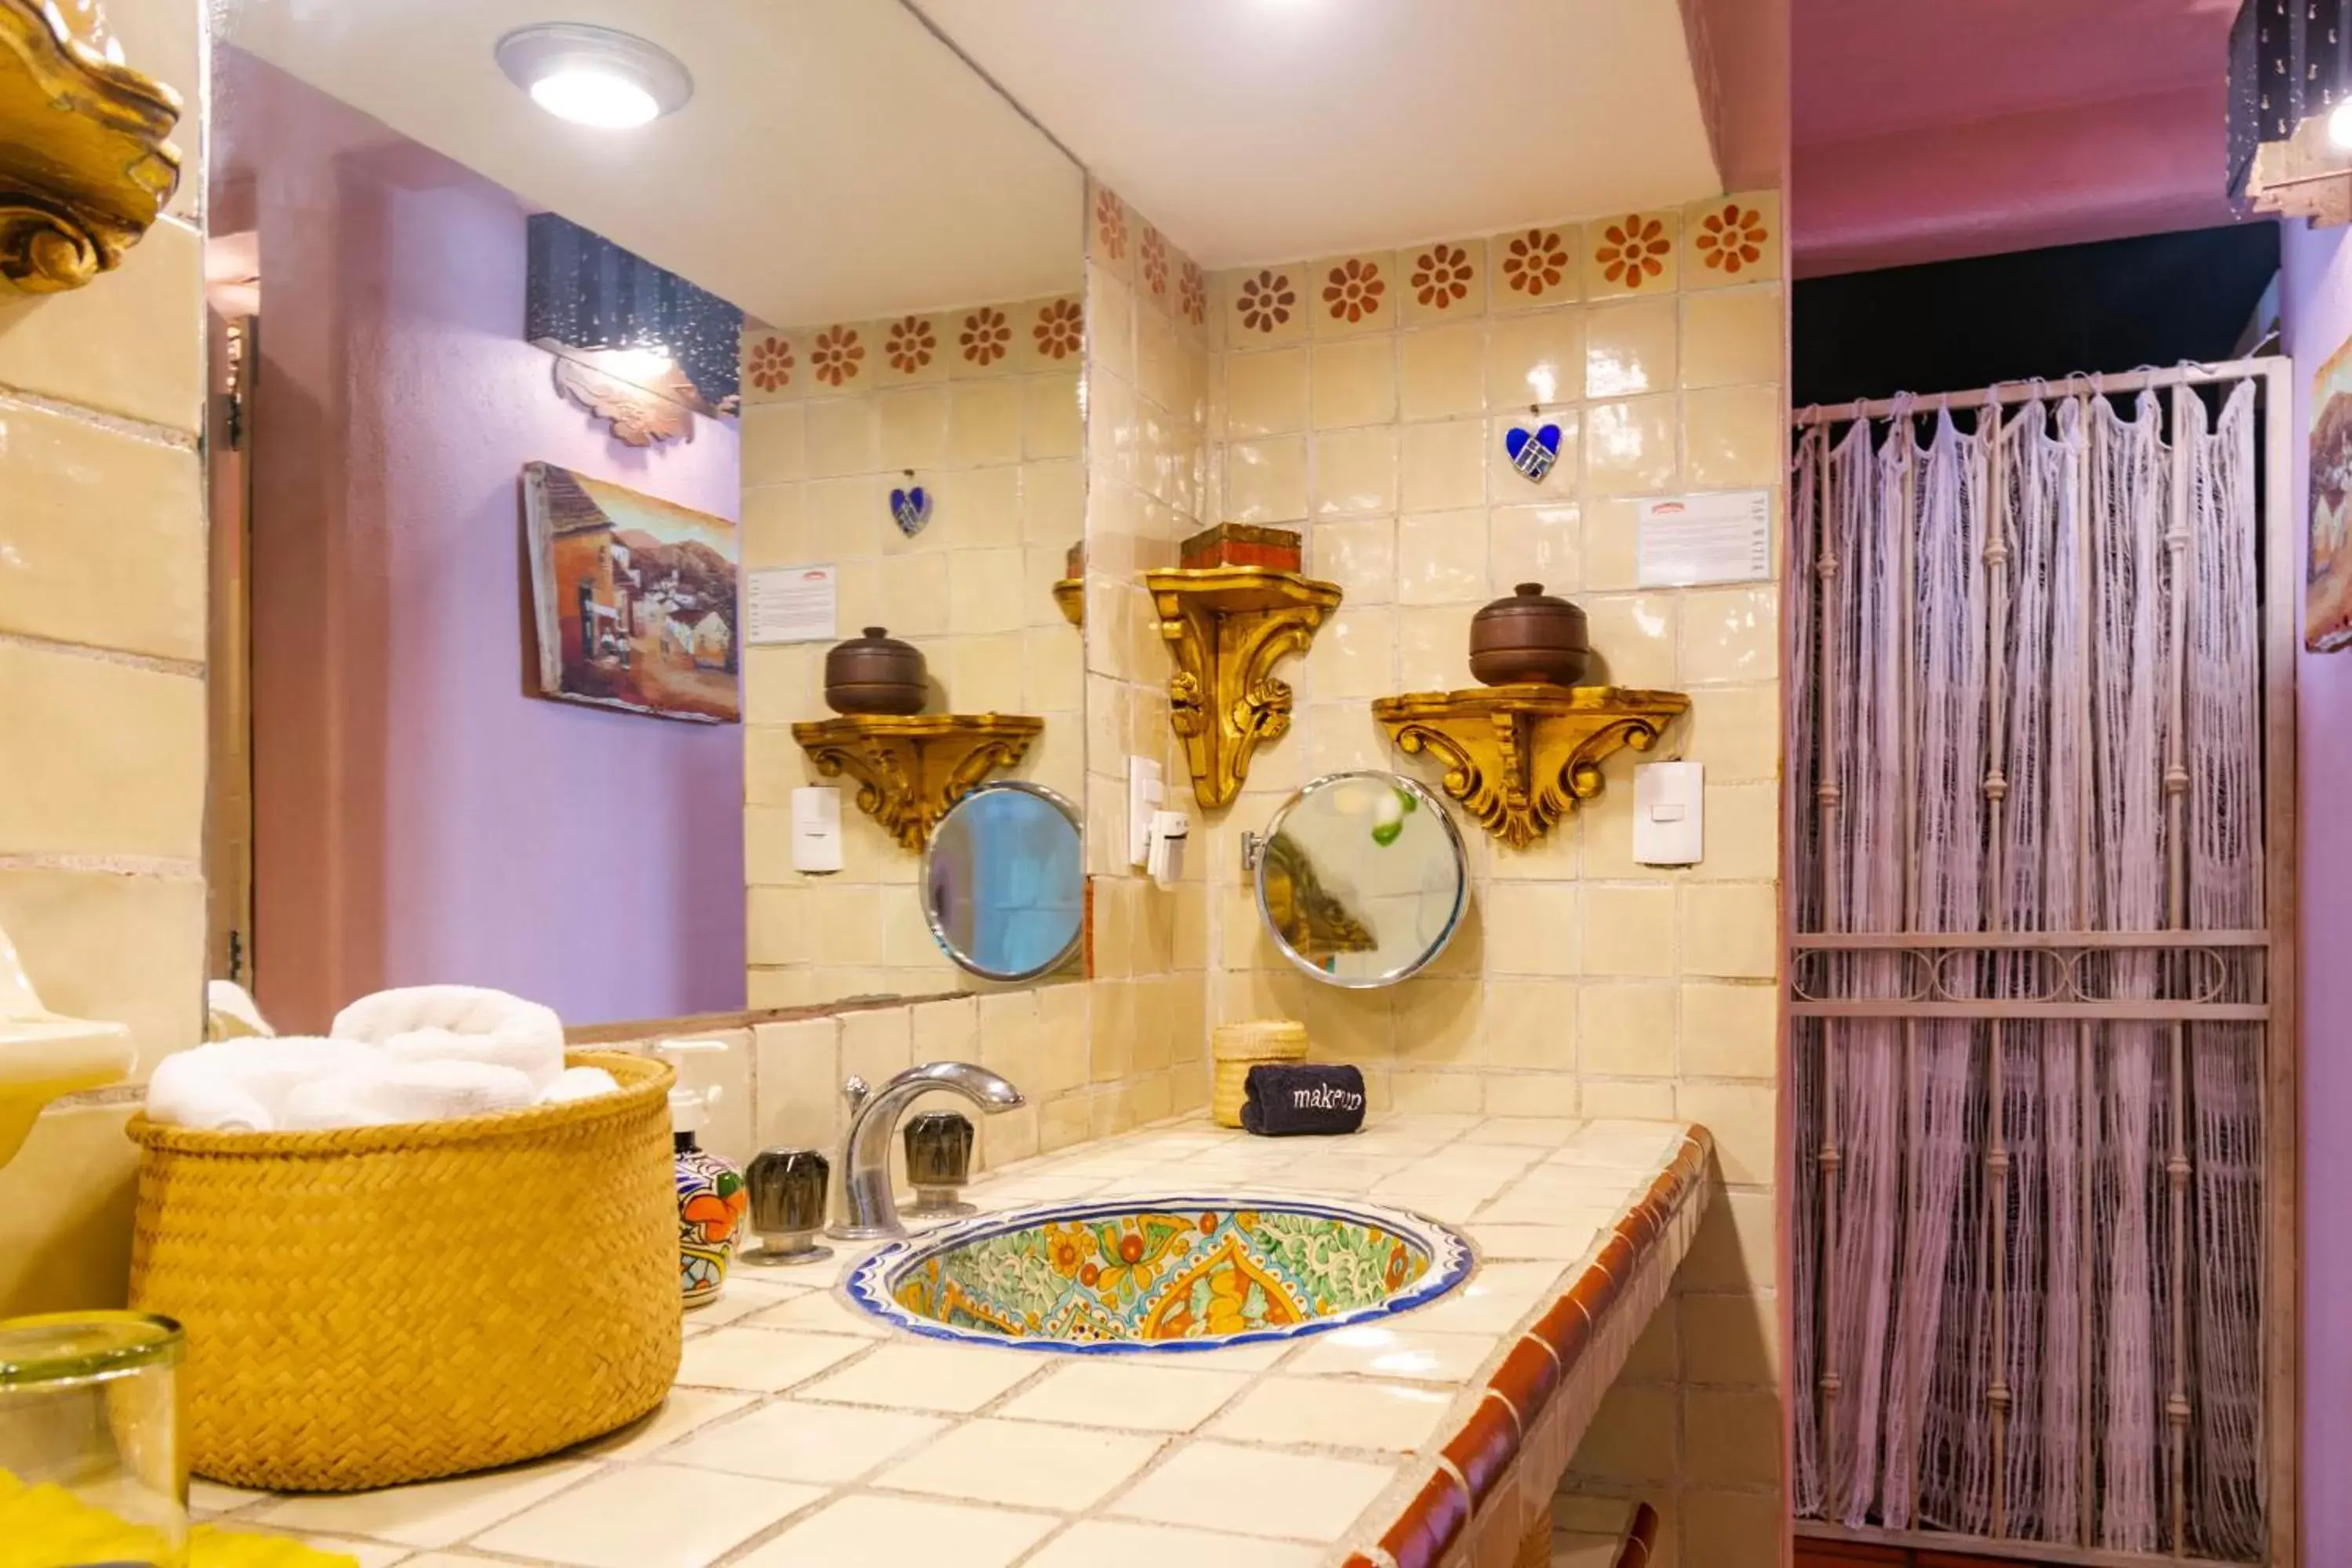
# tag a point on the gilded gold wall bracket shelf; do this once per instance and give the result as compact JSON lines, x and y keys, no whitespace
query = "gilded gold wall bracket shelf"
{"x":910,"y":769}
{"x":84,"y":165}
{"x":1225,"y":627}
{"x":1070,"y":593}
{"x":1520,"y":757}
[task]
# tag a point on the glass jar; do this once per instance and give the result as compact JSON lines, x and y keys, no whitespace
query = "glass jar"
{"x":93,"y":1473}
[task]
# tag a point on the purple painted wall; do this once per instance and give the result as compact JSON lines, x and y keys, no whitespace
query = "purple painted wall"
{"x":2316,"y":305}
{"x":420,"y":818}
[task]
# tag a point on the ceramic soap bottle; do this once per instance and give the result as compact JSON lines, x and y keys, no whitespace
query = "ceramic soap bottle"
{"x":710,"y":1194}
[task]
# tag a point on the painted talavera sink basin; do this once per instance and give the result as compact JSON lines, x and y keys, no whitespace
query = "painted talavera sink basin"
{"x":1119,"y":1275}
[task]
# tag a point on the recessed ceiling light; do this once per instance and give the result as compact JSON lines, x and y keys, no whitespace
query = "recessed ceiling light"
{"x":594,"y":76}
{"x":2339,"y":125}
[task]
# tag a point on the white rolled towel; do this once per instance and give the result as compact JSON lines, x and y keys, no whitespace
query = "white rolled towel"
{"x":459,"y":1022}
{"x":387,"y":1092}
{"x":244,"y":1082}
{"x":578,"y":1083}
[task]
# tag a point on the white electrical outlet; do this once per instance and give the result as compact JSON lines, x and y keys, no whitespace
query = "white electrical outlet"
{"x":1669,"y":816}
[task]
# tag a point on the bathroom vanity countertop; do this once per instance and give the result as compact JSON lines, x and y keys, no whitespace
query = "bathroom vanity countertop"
{"x":803,"y":1432}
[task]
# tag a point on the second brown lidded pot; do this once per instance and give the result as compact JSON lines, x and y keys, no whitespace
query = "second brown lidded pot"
{"x":875,"y":673}
{"x":1528,"y":636}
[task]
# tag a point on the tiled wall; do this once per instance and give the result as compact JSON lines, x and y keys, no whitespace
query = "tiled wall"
{"x":102,"y":727}
{"x":982,"y":405}
{"x":1149,"y":371}
{"x":1363,"y":400}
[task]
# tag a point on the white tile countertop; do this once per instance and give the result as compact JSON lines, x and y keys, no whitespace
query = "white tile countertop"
{"x":803,"y":1432}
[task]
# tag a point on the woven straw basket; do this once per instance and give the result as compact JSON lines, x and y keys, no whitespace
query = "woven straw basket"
{"x":1237,"y":1047}
{"x":375,"y":1305}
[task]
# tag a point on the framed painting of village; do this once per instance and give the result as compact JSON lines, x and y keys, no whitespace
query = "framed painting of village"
{"x":634,"y":598}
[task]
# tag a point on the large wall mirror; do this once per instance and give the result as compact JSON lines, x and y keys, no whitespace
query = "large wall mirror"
{"x":575,"y":388}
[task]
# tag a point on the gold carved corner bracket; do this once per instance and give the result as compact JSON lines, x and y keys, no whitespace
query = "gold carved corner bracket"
{"x":1225,"y":628}
{"x":910,"y":770}
{"x":1520,"y":757}
{"x":85,"y":166}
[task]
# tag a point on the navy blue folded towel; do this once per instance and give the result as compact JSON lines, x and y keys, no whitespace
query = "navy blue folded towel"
{"x":1285,"y":1100}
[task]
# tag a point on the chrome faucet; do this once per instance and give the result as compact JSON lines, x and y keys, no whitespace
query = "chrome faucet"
{"x":872,"y":1213}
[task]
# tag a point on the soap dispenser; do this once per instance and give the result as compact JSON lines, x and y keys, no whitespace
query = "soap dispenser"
{"x":710,"y":1195}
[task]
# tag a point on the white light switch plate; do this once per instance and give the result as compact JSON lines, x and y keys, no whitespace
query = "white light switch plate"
{"x":1668,"y":812}
{"x":816,"y":830}
{"x":1144,"y":790}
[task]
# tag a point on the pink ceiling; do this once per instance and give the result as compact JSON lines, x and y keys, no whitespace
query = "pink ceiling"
{"x":1923,"y":130}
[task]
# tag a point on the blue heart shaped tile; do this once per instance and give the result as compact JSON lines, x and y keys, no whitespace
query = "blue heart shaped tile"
{"x":1534,"y":452}
{"x":910,"y":510}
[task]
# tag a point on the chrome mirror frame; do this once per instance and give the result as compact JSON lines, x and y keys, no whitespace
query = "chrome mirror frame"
{"x":1257,"y":848}
{"x":931,"y":914}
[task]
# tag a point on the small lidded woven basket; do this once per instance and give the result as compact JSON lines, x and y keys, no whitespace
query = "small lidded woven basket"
{"x":1237,"y":1047}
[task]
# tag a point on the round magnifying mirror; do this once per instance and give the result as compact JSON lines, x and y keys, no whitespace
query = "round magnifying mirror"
{"x":1361,"y":879}
{"x":1004,"y":882}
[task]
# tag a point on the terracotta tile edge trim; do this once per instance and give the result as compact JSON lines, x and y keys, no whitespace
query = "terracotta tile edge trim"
{"x":1641,"y":1538}
{"x":1478,"y":1454}
{"x":1437,"y":1516}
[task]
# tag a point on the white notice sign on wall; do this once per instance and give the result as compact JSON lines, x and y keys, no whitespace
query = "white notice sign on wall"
{"x":1725,"y":537}
{"x":793,"y":604}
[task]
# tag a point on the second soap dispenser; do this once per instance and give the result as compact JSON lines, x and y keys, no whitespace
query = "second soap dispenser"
{"x":710,"y":1196}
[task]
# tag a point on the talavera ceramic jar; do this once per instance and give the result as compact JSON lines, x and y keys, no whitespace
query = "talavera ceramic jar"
{"x":1530,"y":636}
{"x":875,"y":673}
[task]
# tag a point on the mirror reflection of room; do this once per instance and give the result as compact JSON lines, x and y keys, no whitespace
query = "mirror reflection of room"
{"x":537,"y":413}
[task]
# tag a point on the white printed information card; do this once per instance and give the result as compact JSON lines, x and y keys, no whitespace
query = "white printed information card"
{"x":793,"y":604}
{"x":1725,"y":537}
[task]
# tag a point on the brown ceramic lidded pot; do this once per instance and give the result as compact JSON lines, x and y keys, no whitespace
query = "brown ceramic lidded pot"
{"x":1530,"y":636}
{"x":875,"y":673}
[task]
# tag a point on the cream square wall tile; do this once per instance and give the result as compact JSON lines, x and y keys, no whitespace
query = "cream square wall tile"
{"x":1734,"y":436}
{"x":133,"y":348}
{"x":1361,"y":555}
{"x":1630,"y":445}
{"x":1433,"y":648}
{"x":1353,"y":293}
{"x":1734,"y":336}
{"x":1730,"y":1031}
{"x":844,"y":436}
{"x":1530,"y":268}
{"x":1050,"y":421}
{"x":1611,"y":543}
{"x":1634,"y":639}
{"x":774,"y":525}
{"x":1730,"y":930}
{"x":1442,"y":467}
{"x":1442,"y":558}
{"x":1531,"y":928}
{"x":1354,"y":382}
{"x":1441,"y":371}
{"x":1356,"y":470}
{"x":1730,"y":634}
{"x":1266,"y":393}
{"x":120,"y":754}
{"x":774,"y":444}
{"x":984,"y":423}
{"x":1627,"y":1031}
{"x":1442,"y":281}
{"x":1735,"y":731}
{"x":101,"y":944}
{"x":1630,"y":348}
{"x":1535,"y":359}
{"x":1531,"y":1024}
{"x":1629,"y":930}
{"x":106,"y":538}
{"x":1538,"y":544}
{"x":987,"y":591}
{"x":1743,"y":833}
{"x":1266,"y":481}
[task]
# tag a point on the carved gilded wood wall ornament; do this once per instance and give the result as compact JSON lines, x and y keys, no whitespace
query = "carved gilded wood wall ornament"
{"x":84,"y":165}
{"x":910,"y":769}
{"x":1225,"y":627}
{"x":1520,"y":757}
